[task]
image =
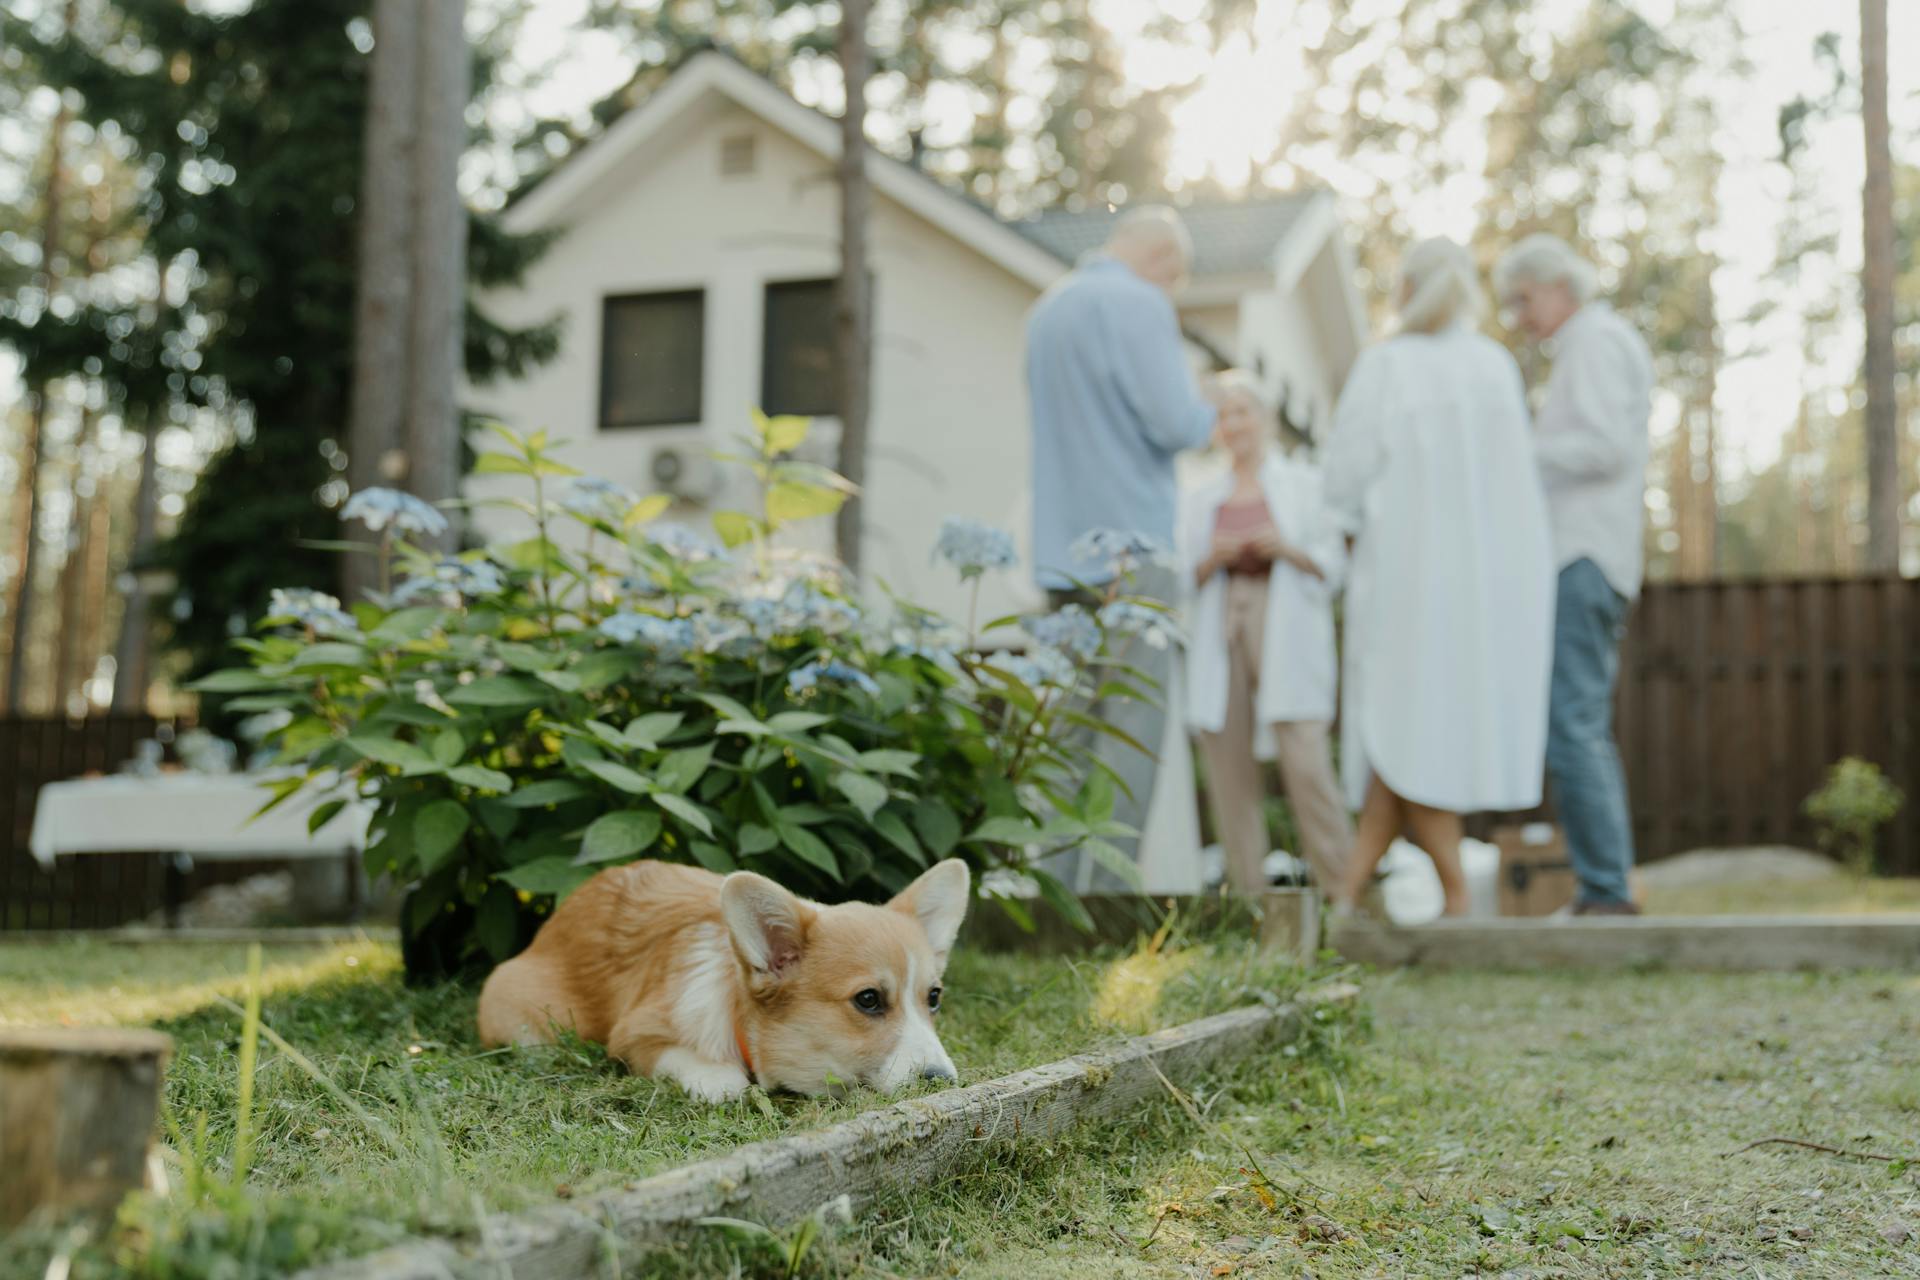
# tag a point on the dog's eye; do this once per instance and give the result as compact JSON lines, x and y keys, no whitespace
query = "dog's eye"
{"x":933,"y":1000}
{"x":870,"y":1001}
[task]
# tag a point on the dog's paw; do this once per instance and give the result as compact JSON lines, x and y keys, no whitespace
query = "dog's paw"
{"x":707,"y":1081}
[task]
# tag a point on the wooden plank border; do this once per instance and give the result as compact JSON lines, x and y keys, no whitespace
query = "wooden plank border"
{"x":895,"y":1148}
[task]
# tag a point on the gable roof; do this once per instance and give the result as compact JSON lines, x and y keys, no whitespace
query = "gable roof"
{"x":1228,"y":238}
{"x":711,"y":76}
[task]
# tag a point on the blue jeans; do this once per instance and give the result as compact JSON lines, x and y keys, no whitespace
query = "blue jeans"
{"x":1589,"y":787}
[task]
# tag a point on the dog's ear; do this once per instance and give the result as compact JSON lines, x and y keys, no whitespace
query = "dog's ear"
{"x":767,"y":923}
{"x":938,"y":900}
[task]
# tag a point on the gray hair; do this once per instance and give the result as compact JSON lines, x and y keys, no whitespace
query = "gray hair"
{"x":1546,"y":259}
{"x":1439,"y":286}
{"x":1152,"y":225}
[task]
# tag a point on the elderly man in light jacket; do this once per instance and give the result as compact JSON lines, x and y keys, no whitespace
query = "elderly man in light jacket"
{"x":1591,"y":445}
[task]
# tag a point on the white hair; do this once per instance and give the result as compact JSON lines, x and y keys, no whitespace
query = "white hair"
{"x":1239,"y":382}
{"x":1152,"y":225}
{"x":1439,"y":286}
{"x":1546,"y":259}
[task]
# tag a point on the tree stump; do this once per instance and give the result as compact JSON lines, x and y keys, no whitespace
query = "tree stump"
{"x":76,"y":1117}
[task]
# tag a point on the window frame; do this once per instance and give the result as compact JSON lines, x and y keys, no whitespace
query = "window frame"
{"x":697,"y":294}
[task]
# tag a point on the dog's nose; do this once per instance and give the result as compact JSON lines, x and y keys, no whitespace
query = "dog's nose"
{"x":938,"y":1071}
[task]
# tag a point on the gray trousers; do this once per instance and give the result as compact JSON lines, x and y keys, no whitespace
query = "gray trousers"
{"x":1145,"y":722}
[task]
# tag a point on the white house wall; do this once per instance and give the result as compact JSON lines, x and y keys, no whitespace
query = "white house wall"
{"x":949,"y":432}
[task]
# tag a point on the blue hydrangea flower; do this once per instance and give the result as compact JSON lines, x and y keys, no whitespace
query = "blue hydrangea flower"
{"x":1071,"y":630}
{"x":378,"y":508}
{"x":802,"y":608}
{"x":452,"y":576}
{"x":689,"y":546}
{"x":1039,"y":668}
{"x":1128,"y":617}
{"x":1115,"y":552}
{"x":669,"y":637}
{"x":592,"y":498}
{"x":310,"y":608}
{"x":973,"y":547}
{"x":803,"y":679}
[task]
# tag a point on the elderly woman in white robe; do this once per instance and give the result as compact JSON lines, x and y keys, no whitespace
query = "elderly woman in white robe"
{"x":1449,"y":613}
{"x":1262,"y":563}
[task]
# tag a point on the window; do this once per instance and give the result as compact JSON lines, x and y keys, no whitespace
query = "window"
{"x":797,"y":376}
{"x":651,"y":347}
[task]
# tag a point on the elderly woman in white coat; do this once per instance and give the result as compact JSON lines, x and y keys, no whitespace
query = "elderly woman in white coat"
{"x":1262,"y":562}
{"x":1449,"y":610}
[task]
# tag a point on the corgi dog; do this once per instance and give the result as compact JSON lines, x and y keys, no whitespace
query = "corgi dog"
{"x":720,"y":982}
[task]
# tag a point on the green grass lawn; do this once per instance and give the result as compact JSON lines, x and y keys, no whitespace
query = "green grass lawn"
{"x":393,"y":1119}
{"x":1839,"y":896}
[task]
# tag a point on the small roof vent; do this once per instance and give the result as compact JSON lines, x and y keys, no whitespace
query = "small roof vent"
{"x":737,"y":155}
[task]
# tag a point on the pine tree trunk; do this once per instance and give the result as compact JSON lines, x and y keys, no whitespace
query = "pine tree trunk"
{"x":853,"y":299}
{"x":439,"y":252}
{"x":71,"y":634}
{"x":136,"y":624}
{"x":1882,"y":420}
{"x":382,"y":326}
{"x":27,"y":503}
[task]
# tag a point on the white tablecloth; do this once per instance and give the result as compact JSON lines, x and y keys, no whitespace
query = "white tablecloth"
{"x":202,"y":815}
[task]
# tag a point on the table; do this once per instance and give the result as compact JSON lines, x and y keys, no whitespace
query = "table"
{"x":184,"y":816}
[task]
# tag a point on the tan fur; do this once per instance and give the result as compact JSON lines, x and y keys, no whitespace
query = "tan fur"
{"x":644,"y":959}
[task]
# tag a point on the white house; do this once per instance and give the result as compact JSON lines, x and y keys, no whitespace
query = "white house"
{"x":695,"y":276}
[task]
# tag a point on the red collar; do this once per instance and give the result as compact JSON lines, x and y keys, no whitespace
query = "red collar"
{"x":740,"y":1043}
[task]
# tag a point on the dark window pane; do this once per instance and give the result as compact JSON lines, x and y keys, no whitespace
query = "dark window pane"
{"x":799,"y":349}
{"x":650,"y":359}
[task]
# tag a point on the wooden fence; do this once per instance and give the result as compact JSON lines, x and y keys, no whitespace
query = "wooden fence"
{"x":99,"y":890}
{"x":1735,"y":698}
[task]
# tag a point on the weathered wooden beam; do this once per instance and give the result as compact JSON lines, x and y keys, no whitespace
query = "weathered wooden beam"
{"x":1704,"y":943}
{"x":76,"y":1118}
{"x":909,"y":1144}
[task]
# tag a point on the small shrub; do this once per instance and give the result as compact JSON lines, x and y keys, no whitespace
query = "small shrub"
{"x":525,"y":715}
{"x":1853,"y":803}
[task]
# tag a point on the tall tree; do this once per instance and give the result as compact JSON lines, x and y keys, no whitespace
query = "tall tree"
{"x":1877,"y":278}
{"x":853,"y":294}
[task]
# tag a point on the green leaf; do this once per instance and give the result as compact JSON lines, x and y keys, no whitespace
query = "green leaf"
{"x":1004,"y":831}
{"x":448,"y":746}
{"x":499,"y":818}
{"x":754,"y":838}
{"x":234,"y":680}
{"x":712,"y":857}
{"x":498,"y":691}
{"x":607,"y":734}
{"x":407,"y":624}
{"x":497,"y":922}
{"x":789,"y":500}
{"x":893,"y":829}
{"x":1062,"y":899}
{"x":333,"y":653}
{"x":898,"y":763}
{"x":619,"y":834}
{"x":937,"y":826}
{"x":685,"y":810}
{"x":548,"y":791}
{"x":646,"y":731}
{"x":500,"y":464}
{"x":383,"y":750}
{"x":797,"y":721}
{"x":599,"y":669}
{"x":866,"y":794}
{"x":728,"y":707}
{"x":681,"y":769}
{"x":437,"y":831}
{"x":735,"y":527}
{"x":618,"y":775}
{"x":810,"y":848}
{"x":526,"y":657}
{"x":782,"y":433}
{"x":1095,"y":800}
{"x":647,"y":510}
{"x":556,"y":875}
{"x":474,"y":775}
{"x":1116,"y":861}
{"x":323,"y":814}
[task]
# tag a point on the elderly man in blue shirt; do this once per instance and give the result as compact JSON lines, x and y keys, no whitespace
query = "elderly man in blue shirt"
{"x":1113,"y":401}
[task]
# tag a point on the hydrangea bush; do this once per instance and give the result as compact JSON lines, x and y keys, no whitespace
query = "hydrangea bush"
{"x":521,"y":716}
